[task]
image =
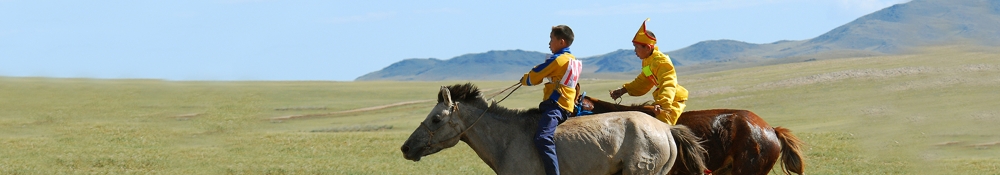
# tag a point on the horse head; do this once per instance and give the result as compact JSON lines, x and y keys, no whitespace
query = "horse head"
{"x":442,"y":128}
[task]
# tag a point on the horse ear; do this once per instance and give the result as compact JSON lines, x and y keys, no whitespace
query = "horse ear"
{"x":446,"y":95}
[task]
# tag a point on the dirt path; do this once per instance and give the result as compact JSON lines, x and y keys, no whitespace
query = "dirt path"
{"x":348,"y":111}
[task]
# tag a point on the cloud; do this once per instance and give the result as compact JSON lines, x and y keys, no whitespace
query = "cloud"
{"x":664,"y":7}
{"x":372,"y":16}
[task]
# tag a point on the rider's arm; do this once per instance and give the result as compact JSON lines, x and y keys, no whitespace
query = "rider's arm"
{"x":639,"y":86}
{"x":537,"y":74}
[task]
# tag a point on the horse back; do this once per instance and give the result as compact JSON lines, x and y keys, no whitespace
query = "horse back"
{"x":608,"y":127}
{"x":718,"y":117}
{"x":707,"y":122}
{"x":601,"y":143}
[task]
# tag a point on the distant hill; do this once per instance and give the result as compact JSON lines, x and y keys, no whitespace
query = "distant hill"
{"x":407,"y":69}
{"x":504,"y":64}
{"x":496,"y":65}
{"x":491,"y":65}
{"x":720,"y":51}
{"x":893,"y":30}
{"x":618,"y":61}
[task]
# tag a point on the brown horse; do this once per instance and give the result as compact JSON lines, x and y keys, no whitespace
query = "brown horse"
{"x":737,"y":141}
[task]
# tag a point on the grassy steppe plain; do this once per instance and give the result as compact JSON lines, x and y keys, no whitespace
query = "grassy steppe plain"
{"x":936,"y":112}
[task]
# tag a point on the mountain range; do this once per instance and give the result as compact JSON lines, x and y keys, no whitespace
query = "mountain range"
{"x":892,"y":30}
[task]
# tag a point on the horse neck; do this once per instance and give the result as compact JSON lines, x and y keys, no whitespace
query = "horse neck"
{"x":499,"y":133}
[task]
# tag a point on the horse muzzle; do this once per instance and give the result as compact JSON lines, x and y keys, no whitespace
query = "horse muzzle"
{"x":411,"y":154}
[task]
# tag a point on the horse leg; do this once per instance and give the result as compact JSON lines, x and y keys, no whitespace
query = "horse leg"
{"x":759,"y":161}
{"x":726,"y":166}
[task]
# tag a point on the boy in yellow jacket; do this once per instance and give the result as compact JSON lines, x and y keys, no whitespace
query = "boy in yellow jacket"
{"x":563,"y":70}
{"x":658,"y":71}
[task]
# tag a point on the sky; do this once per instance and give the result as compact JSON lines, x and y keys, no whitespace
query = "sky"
{"x":270,"y":40}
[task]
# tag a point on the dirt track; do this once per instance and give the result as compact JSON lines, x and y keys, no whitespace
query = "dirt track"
{"x":348,"y":111}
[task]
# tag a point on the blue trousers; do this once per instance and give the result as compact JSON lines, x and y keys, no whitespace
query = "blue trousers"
{"x":544,"y":136}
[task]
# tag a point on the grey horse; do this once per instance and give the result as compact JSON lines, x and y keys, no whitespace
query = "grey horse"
{"x":611,"y":143}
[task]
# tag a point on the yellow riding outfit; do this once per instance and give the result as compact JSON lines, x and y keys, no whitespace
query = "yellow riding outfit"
{"x":658,"y":71}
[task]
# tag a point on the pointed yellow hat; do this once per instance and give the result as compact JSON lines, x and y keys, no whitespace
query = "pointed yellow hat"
{"x":641,"y":36}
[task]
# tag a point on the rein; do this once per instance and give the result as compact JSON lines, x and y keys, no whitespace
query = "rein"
{"x":453,"y":125}
{"x":515,"y":86}
{"x":454,"y":109}
{"x":619,"y":100}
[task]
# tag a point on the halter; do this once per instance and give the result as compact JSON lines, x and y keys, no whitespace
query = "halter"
{"x":454,"y":109}
{"x":453,"y":125}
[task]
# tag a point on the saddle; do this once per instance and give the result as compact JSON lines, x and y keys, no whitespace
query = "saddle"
{"x":583,"y":106}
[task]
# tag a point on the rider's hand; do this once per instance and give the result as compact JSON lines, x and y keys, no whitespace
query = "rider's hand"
{"x":657,"y":109}
{"x":617,"y":93}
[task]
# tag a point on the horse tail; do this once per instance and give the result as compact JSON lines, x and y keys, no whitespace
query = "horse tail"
{"x":691,"y":154}
{"x":791,"y":153}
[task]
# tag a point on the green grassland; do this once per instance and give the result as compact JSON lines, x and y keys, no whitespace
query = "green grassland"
{"x":933,"y":112}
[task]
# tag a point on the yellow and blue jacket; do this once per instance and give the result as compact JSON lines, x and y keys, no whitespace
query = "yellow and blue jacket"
{"x":563,"y":70}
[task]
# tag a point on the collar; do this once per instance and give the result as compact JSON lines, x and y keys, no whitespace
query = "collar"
{"x":564,"y":50}
{"x":655,"y":53}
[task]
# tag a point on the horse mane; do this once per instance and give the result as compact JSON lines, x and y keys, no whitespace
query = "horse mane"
{"x":462,"y":93}
{"x":469,"y":94}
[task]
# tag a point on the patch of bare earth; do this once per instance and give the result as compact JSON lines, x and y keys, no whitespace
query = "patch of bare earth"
{"x":700,"y":79}
{"x":301,"y":108}
{"x":188,"y":116}
{"x":985,"y":145}
{"x":731,"y":99}
{"x":288,"y":117}
{"x":948,"y":81}
{"x":842,"y":75}
{"x":948,"y":143}
{"x":993,"y":117}
{"x":876,"y":111}
{"x":883,"y":74}
{"x":711,"y":91}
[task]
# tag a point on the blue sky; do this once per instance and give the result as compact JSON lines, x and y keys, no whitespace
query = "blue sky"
{"x":341,"y":40}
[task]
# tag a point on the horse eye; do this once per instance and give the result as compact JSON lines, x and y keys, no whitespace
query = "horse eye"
{"x":436,"y":120}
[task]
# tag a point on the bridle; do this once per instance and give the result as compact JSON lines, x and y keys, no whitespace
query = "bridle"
{"x":454,"y":110}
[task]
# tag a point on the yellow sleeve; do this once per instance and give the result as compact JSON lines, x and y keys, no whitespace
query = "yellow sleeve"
{"x":639,"y":86}
{"x":667,"y":77}
{"x":539,"y":72}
